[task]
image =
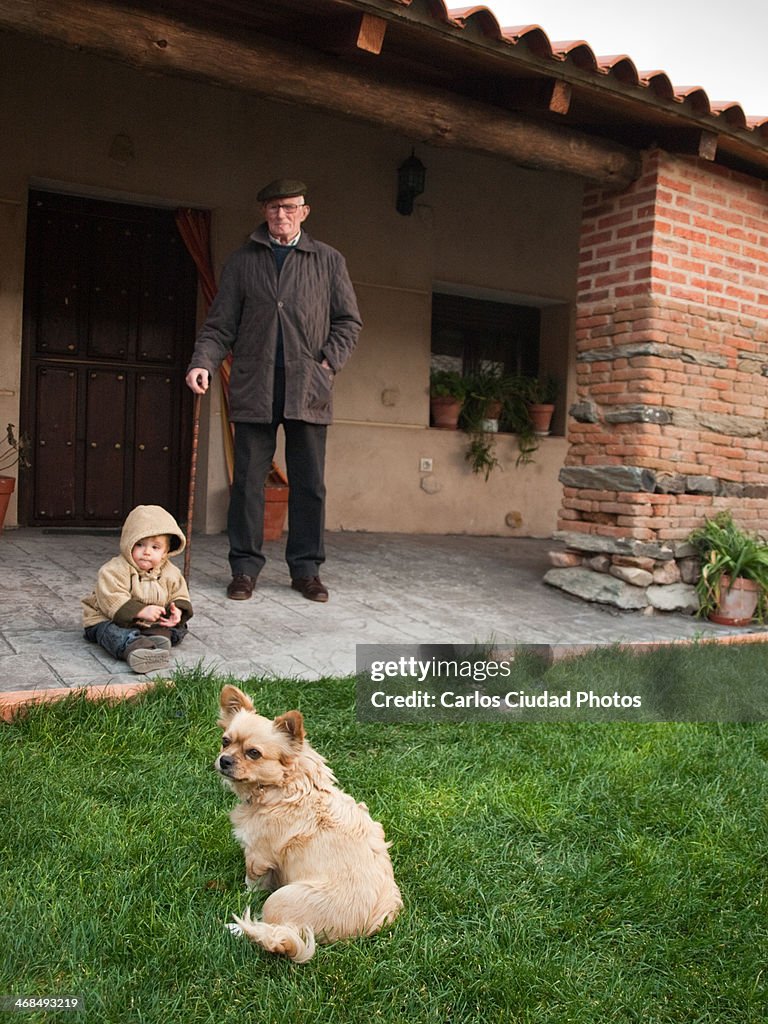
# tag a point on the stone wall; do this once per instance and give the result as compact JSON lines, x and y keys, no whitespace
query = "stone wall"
{"x":630,"y":574}
{"x":672,"y":371}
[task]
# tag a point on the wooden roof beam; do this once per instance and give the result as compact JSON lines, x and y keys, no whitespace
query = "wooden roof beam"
{"x":158,"y":43}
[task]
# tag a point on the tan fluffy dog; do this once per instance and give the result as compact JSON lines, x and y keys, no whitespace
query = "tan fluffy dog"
{"x":320,"y":852}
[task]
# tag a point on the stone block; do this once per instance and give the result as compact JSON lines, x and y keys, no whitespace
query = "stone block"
{"x":565,"y":559}
{"x":731,"y":489}
{"x":584,"y":412}
{"x":601,"y":588}
{"x":690,"y":569}
{"x":593,"y":542}
{"x":608,"y":478}
{"x":684,"y":550}
{"x":670,"y":483}
{"x":702,"y":485}
{"x":639,"y":414}
{"x":678,"y":597}
{"x":665,"y":573}
{"x":599,"y":563}
{"x":613,"y":545}
{"x":631,"y":574}
{"x":634,"y":561}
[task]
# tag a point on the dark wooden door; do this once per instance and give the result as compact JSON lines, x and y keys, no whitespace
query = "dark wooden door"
{"x":109,"y":320}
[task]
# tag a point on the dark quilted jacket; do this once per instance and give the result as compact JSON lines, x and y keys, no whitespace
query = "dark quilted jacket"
{"x":316,"y":304}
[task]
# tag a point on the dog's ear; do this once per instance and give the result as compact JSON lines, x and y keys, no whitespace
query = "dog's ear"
{"x":231,"y":701}
{"x":292,"y":723}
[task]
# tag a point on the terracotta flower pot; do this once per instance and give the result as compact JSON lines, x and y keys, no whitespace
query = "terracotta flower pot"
{"x":445,"y":412}
{"x":275,"y":510}
{"x":737,"y":602}
{"x":541,"y":417}
{"x":7,"y":485}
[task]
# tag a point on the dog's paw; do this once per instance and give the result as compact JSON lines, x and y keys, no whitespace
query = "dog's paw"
{"x":242,"y":925}
{"x":239,"y":925}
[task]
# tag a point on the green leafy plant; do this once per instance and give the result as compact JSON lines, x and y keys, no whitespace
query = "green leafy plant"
{"x":486,"y":385}
{"x":481,"y":453}
{"x":516,"y":419}
{"x":514,"y":393}
{"x":447,"y":384}
{"x":14,"y":449}
{"x":479,"y":389}
{"x":539,"y":390}
{"x":726,"y":550}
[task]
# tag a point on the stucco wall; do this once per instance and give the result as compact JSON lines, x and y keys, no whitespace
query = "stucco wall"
{"x":480,"y":223}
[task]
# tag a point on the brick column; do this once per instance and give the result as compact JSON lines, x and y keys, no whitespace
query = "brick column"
{"x":672,"y":359}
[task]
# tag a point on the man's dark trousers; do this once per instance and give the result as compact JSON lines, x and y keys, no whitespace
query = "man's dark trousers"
{"x":305,"y":463}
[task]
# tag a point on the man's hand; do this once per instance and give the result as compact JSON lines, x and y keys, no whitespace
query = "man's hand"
{"x":197,"y":380}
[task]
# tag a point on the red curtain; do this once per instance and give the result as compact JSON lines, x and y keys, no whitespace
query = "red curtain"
{"x":195,"y":229}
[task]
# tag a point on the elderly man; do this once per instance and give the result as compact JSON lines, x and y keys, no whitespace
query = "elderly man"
{"x":287,"y":312}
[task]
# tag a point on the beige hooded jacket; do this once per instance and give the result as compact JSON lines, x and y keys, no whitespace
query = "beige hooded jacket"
{"x":122,"y":589}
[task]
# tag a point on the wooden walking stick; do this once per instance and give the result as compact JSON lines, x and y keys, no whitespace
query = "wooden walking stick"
{"x":192,"y":481}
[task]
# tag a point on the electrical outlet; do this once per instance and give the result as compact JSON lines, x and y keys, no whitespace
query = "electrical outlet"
{"x":425,"y":465}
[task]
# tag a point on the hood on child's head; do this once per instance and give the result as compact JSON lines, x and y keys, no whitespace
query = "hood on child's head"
{"x":150,"y":521}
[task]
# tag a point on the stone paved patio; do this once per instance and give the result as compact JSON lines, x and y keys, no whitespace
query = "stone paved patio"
{"x":385,"y":589}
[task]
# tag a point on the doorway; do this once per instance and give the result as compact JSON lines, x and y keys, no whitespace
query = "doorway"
{"x":110,"y":303}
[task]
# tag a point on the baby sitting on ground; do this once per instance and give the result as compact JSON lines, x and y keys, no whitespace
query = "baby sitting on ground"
{"x":140,"y":605}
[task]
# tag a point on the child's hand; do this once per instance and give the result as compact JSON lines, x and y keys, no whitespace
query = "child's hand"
{"x":151,"y":613}
{"x":170,"y":618}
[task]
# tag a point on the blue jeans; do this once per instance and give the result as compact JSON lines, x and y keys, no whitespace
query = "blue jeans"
{"x":115,"y":639}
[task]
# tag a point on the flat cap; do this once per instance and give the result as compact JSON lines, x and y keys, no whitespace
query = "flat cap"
{"x":281,"y":189}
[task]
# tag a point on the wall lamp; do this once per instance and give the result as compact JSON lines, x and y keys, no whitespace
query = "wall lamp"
{"x":411,"y":175}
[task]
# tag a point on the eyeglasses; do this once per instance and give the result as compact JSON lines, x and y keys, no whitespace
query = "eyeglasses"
{"x":288,"y":208}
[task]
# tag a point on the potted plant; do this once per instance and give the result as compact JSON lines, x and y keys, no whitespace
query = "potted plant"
{"x":13,"y":451}
{"x":516,"y":418}
{"x":733,"y":586}
{"x":447,"y":392}
{"x":540,"y":395}
{"x":487,"y":390}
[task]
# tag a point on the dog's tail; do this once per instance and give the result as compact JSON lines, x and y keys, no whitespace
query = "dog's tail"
{"x":293,"y":942}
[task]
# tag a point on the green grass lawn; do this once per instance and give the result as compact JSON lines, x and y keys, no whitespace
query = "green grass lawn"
{"x":552,"y":873}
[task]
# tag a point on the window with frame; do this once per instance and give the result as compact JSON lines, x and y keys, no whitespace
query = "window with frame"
{"x":469,"y":334}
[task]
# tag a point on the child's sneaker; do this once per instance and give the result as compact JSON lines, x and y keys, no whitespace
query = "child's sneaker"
{"x":148,"y":654}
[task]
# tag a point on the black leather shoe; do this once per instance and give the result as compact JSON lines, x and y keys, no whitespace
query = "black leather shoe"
{"x":311,"y":588}
{"x":241,"y":587}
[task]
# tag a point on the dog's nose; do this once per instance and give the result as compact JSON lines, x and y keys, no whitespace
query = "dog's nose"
{"x":225,"y":762}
